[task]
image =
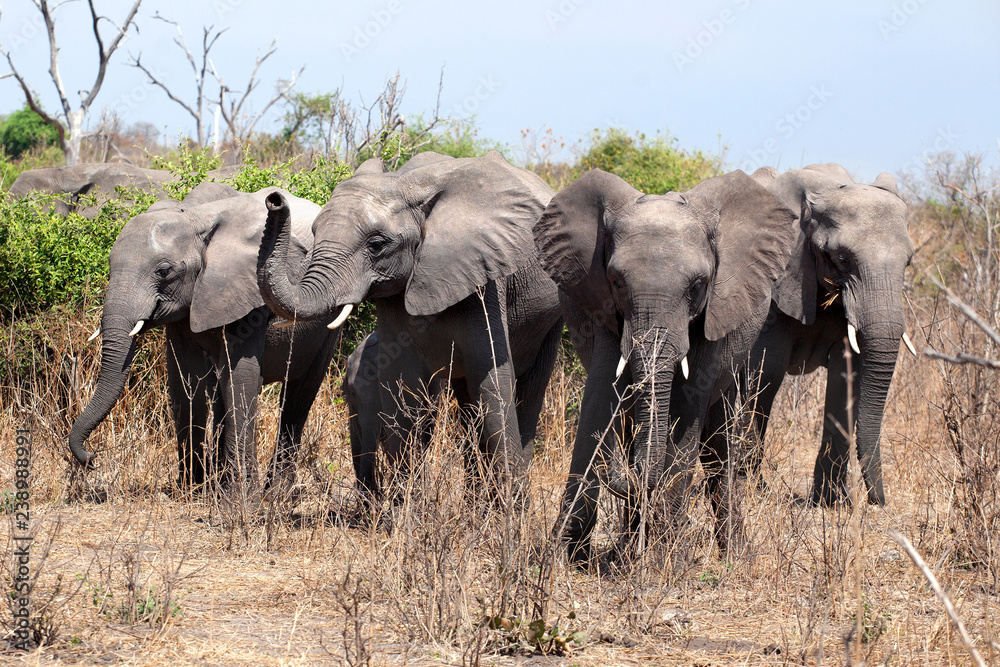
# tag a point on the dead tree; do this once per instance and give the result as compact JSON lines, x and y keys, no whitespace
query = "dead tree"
{"x":196,"y":108}
{"x":240,"y":119}
{"x":72,"y":133}
{"x":230,"y":105}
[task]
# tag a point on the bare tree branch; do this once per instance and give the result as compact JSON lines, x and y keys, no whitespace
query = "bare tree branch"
{"x":71,"y":134}
{"x":195,"y":109}
{"x":240,"y":124}
{"x":105,"y":55}
{"x":941,"y":595}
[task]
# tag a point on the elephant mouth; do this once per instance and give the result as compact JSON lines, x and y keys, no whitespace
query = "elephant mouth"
{"x":343,"y":313}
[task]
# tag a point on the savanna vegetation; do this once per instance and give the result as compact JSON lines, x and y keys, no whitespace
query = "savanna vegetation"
{"x":130,"y":570}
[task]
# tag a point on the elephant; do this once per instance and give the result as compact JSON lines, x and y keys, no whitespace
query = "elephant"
{"x":647,"y":282}
{"x":98,"y":179}
{"x":191,"y":268}
{"x":844,"y":281}
{"x":361,"y":393}
{"x":443,"y":248}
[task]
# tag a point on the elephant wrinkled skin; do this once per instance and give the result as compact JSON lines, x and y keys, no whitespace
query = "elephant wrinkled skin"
{"x":844,"y":281}
{"x":443,"y":248}
{"x":651,"y":280}
{"x":190,"y":266}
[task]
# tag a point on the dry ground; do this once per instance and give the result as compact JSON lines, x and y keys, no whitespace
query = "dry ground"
{"x":133,"y":575}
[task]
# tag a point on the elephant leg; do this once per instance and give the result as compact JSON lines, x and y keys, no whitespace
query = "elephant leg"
{"x":364,"y":421}
{"x":240,"y":384}
{"x":297,"y":398}
{"x":578,"y":512}
{"x":758,"y":387}
{"x":531,"y":385}
{"x":830,"y":474}
{"x":719,"y":470}
{"x":489,"y":373}
{"x":188,"y":378}
{"x":402,"y":394}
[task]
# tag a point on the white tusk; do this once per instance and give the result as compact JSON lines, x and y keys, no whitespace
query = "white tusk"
{"x":852,"y":336}
{"x":94,"y":335}
{"x":138,"y":326}
{"x":684,"y":367}
{"x":909,"y":344}
{"x":281,"y":324}
{"x":342,"y":317}
{"x":621,"y":368}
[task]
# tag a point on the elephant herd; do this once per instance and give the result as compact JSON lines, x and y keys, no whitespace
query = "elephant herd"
{"x":680,"y":306}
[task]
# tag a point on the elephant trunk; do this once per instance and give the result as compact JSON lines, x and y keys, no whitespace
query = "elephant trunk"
{"x":879,"y":350}
{"x":652,"y":363}
{"x":880,"y":327}
{"x":305,"y":300}
{"x":117,"y":351}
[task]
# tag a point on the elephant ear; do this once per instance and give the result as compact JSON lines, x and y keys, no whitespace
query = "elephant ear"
{"x":226,"y":289}
{"x":886,"y":182}
{"x":371,"y":166}
{"x":571,"y":237}
{"x":753,"y":240}
{"x":477,"y":219}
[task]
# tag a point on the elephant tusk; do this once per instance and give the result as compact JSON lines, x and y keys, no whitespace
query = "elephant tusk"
{"x":684,"y":367}
{"x":281,"y":324}
{"x":94,"y":335}
{"x":137,"y":328}
{"x":852,"y":336}
{"x":909,"y":344}
{"x":342,"y":317}
{"x":621,"y":368}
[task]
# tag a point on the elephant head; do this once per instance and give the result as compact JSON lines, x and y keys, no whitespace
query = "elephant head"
{"x":644,"y":267}
{"x":853,"y":246}
{"x":430,"y":233}
{"x":191,"y":260}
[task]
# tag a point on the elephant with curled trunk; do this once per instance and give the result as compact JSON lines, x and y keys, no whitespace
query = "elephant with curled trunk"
{"x":844,"y":282}
{"x":443,"y":248}
{"x":650,"y":284}
{"x":191,"y":267}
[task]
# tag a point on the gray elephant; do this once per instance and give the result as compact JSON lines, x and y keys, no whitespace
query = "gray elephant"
{"x":98,"y":180}
{"x":191,"y":267}
{"x":649,"y":284}
{"x":844,"y":281}
{"x":364,"y":404}
{"x":443,"y":248}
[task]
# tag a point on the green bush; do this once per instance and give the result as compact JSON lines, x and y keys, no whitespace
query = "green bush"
{"x":23,"y":130}
{"x":653,"y":165}
{"x":47,"y":259}
{"x":190,"y":165}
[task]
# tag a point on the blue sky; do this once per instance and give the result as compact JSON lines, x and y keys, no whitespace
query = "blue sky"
{"x":870,"y":84}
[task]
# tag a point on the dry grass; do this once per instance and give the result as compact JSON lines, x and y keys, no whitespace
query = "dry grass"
{"x":133,"y":573}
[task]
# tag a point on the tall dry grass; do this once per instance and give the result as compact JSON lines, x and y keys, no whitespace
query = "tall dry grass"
{"x":130,"y":570}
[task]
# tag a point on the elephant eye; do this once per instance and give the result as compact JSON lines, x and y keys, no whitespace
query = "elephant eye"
{"x":377,"y":243}
{"x":696,"y":293}
{"x":164,"y":271}
{"x":842,"y":260}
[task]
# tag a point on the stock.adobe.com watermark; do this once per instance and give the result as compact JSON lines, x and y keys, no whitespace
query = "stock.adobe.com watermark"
{"x":21,"y":518}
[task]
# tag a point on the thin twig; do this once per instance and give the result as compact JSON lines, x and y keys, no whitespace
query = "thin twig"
{"x":936,"y":587}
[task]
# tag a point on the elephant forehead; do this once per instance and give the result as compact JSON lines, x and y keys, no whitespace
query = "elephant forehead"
{"x":660,"y":221}
{"x":866,"y":206}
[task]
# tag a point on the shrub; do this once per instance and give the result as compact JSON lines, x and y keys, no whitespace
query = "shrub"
{"x":653,"y":165}
{"x":23,"y":130}
{"x":189,"y":165}
{"x":48,"y":259}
